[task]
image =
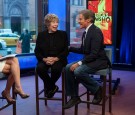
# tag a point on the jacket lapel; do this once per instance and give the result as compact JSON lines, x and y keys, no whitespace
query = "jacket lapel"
{"x":88,"y":33}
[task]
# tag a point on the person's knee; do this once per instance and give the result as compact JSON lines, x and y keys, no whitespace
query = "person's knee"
{"x":12,"y":61}
{"x":67,"y":68}
{"x":76,"y":72}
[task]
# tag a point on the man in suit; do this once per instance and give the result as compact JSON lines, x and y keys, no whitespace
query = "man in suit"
{"x":94,"y":59}
{"x":51,"y":52}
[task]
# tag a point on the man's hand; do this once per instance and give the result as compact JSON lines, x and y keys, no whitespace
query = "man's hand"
{"x":74,"y":66}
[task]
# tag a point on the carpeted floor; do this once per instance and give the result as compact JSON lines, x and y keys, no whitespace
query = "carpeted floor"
{"x":123,"y":100}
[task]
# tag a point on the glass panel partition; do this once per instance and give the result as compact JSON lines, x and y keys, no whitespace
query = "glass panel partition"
{"x":75,"y":31}
{"x":16,"y":15}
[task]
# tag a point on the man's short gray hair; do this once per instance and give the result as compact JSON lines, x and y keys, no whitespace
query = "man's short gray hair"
{"x":88,"y":14}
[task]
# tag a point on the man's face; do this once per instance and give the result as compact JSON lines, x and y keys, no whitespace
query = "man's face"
{"x":83,"y":22}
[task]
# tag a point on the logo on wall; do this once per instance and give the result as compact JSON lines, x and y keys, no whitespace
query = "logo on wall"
{"x":103,"y":14}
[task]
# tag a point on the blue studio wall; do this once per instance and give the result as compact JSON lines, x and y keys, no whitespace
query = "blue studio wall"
{"x":58,"y":7}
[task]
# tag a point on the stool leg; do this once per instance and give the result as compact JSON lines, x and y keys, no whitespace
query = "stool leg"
{"x":110,"y":92}
{"x":37,"y":90}
{"x":14,"y":105}
{"x":76,"y":110}
{"x":63,"y":92}
{"x":88,"y":99}
{"x":104,"y":95}
{"x":44,"y":96}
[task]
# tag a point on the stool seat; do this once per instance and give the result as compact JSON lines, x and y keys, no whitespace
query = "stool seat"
{"x":102,"y":72}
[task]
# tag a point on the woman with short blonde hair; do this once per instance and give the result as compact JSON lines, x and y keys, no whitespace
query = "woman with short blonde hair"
{"x":51,"y":52}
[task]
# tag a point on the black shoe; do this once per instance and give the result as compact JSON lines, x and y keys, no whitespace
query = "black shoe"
{"x":46,"y":92}
{"x":51,"y":93}
{"x":98,"y":96}
{"x":73,"y":101}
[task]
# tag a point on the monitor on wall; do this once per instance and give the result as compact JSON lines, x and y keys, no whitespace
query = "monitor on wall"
{"x":103,"y":14}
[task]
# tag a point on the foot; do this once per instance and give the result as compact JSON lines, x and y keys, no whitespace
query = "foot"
{"x":46,"y":92}
{"x":21,"y":93}
{"x":8,"y":97}
{"x":73,"y":101}
{"x":98,"y":96}
{"x":52,"y":92}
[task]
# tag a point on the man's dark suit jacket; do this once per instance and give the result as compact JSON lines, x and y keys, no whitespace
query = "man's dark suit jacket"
{"x":93,"y":49}
{"x":61,"y":44}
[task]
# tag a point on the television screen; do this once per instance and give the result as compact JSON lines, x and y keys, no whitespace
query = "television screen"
{"x":103,"y":14}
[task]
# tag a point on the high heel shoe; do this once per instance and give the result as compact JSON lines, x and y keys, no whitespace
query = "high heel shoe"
{"x":22,"y":95}
{"x":8,"y":97}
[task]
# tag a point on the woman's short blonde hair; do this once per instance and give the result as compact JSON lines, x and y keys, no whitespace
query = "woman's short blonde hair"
{"x":50,"y":18}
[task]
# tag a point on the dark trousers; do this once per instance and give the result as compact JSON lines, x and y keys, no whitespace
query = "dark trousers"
{"x":49,"y":81}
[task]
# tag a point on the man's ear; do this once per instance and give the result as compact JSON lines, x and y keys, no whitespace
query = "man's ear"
{"x":89,"y":20}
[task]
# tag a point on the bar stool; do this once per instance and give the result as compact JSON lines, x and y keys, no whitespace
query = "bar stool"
{"x":104,"y":73}
{"x":13,"y":95}
{"x":39,"y":97}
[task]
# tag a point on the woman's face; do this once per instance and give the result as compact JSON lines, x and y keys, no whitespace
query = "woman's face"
{"x":53,"y":26}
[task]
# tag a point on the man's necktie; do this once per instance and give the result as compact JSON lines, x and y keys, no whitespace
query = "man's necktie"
{"x":83,"y":37}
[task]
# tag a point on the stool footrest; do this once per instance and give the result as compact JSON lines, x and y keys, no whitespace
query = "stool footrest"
{"x":6,"y":105}
{"x":54,"y":98}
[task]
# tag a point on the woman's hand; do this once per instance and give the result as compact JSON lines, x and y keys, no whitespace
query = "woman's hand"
{"x":50,"y":60}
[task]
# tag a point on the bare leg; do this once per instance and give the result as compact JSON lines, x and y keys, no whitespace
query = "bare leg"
{"x":15,"y":70}
{"x":12,"y":67}
{"x":9,"y":84}
{"x":6,"y":92}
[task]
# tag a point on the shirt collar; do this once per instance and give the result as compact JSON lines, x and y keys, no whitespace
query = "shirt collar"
{"x":86,"y":30}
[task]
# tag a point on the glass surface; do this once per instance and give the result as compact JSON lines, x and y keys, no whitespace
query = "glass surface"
{"x":15,"y":15}
{"x":75,"y":31}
